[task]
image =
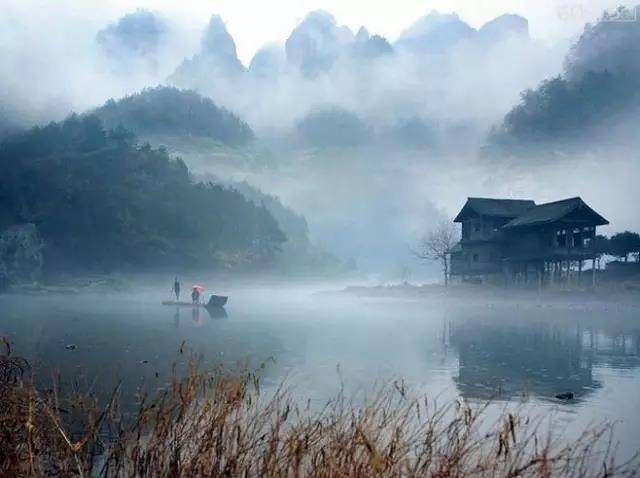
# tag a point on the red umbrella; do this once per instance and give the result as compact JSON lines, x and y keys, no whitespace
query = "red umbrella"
{"x":198,"y":288}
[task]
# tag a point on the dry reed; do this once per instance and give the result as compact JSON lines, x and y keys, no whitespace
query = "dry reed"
{"x":217,"y":424}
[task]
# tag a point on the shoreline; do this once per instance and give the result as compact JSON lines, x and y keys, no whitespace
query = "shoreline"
{"x":609,"y":293}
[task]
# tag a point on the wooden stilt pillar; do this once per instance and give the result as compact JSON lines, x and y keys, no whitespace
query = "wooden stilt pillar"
{"x":560,"y":278}
{"x":580,"y":273}
{"x":540,"y":275}
{"x":593,"y":273}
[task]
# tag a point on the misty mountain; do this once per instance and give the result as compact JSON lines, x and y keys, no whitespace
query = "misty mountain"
{"x":434,"y":33}
{"x":268,"y":63}
{"x":217,"y":60}
{"x":315,"y":44}
{"x":298,"y":253}
{"x":438,"y":33}
{"x":101,"y":202}
{"x":369,"y":47}
{"x":504,"y":27}
{"x":136,"y":38}
{"x":414,"y":133}
{"x":332,"y":127}
{"x":292,"y":224}
{"x":325,"y":63}
{"x":593,"y":103}
{"x":8,"y":125}
{"x":174,"y":112}
{"x":612,"y":44}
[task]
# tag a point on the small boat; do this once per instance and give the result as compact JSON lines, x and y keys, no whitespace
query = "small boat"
{"x":217,"y":301}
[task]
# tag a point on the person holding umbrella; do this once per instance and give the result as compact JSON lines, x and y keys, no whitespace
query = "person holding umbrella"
{"x":197,"y":290}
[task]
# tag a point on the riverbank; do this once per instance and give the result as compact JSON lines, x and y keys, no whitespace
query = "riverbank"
{"x":72,"y":285}
{"x":612,"y":293}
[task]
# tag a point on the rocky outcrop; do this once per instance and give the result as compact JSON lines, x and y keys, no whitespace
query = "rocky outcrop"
{"x":21,"y":254}
{"x":315,"y":44}
{"x":217,"y":59}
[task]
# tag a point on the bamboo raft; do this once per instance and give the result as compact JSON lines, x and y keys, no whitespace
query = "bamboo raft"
{"x":214,"y":301}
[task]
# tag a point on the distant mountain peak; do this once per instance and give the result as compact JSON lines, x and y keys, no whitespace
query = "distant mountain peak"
{"x":137,"y":34}
{"x":612,"y":44}
{"x":435,"y":32}
{"x":432,"y":21}
{"x":217,"y":58}
{"x":362,"y":35}
{"x":217,"y":41}
{"x":505,"y":26}
{"x":315,"y":43}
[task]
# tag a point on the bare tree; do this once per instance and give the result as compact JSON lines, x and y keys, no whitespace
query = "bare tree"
{"x":437,"y":246}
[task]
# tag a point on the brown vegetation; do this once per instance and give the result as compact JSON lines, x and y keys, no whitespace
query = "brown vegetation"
{"x":215,"y":424}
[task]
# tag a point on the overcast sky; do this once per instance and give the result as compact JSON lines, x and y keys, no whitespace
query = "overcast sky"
{"x":256,"y":22}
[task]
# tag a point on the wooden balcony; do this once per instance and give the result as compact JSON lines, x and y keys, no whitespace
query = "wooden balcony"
{"x":550,"y":254}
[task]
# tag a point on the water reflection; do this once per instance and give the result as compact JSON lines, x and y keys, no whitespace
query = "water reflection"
{"x":520,"y":357}
{"x":613,"y":348}
{"x":442,"y":348}
{"x":505,"y":360}
{"x":217,"y":312}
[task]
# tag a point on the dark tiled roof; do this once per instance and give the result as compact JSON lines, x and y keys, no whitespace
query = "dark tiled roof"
{"x":553,"y":211}
{"x":508,"y":208}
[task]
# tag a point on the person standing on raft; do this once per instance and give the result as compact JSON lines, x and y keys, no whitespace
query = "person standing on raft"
{"x":176,"y":289}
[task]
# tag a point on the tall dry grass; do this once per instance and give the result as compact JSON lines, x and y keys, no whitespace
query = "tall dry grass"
{"x":218,"y":424}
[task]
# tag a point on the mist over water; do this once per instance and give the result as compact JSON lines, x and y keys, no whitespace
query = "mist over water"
{"x":519,"y":353}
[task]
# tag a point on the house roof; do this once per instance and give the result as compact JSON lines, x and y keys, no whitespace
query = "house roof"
{"x":554,"y":211}
{"x":507,"y":208}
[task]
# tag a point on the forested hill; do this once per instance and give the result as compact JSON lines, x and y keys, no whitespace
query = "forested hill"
{"x":594,"y":102}
{"x":102,"y":202}
{"x":168,"y":110}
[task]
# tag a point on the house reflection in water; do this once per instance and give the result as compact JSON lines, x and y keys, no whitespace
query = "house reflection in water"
{"x":505,"y":360}
{"x":499,"y":360}
{"x":613,"y":347}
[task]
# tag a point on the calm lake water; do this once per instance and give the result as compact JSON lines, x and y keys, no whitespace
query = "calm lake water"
{"x":518,"y":354}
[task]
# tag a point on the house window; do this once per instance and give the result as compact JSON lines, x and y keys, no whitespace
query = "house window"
{"x":561,"y":238}
{"x":588,"y":235}
{"x":577,"y":238}
{"x":476,"y":227}
{"x":476,"y":257}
